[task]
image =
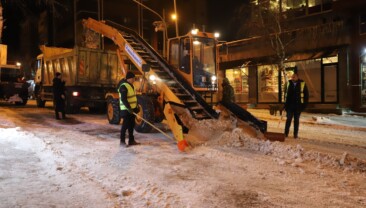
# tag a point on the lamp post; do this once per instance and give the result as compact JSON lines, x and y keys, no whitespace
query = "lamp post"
{"x":165,"y":35}
{"x":176,"y":19}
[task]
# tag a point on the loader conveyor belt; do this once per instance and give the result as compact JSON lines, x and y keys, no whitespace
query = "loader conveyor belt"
{"x":140,"y":52}
{"x":192,"y":100}
{"x":244,"y":115}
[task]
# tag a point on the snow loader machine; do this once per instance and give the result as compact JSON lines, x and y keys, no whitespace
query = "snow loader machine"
{"x":169,"y":87}
{"x":13,"y":86}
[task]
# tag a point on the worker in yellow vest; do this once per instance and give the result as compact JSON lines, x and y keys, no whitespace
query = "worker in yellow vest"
{"x":128,"y":106}
{"x":296,"y":100}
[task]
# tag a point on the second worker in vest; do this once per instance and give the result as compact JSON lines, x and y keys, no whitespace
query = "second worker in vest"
{"x":128,"y":106}
{"x":297,"y":97}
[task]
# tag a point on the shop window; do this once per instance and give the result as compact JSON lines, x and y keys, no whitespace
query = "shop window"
{"x":293,"y":4}
{"x":310,"y":72}
{"x":363,"y":80}
{"x":330,"y":83}
{"x":239,"y":80}
{"x":330,"y":60}
{"x":268,"y":83}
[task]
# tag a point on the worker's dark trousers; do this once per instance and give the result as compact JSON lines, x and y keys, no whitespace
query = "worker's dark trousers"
{"x":59,"y":107}
{"x":296,"y":115}
{"x":128,"y":124}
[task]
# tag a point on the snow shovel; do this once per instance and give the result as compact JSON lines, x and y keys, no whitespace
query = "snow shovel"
{"x":181,"y":144}
{"x":279,"y":122}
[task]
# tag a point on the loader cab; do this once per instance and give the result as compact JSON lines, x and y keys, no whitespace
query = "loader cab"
{"x":194,"y":56}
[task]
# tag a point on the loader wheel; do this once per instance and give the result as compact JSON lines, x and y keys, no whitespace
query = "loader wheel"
{"x":40,"y":103}
{"x":22,"y":103}
{"x":113,"y":111}
{"x":146,"y":112}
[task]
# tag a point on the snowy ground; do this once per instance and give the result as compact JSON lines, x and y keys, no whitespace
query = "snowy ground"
{"x":78,"y":163}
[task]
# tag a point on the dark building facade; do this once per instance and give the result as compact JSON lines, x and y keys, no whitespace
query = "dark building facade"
{"x":327,"y":49}
{"x":63,"y":24}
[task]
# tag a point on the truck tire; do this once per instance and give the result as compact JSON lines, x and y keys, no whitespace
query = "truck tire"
{"x":22,"y":103}
{"x":71,"y":109}
{"x":40,"y":103}
{"x":37,"y":93}
{"x":146,"y":112}
{"x":113,"y":111}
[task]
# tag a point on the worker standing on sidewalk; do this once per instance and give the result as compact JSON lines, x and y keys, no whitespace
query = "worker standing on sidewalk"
{"x":128,"y":106}
{"x":58,"y":88}
{"x":296,"y":100}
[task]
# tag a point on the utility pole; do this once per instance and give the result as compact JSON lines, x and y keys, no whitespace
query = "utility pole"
{"x":176,"y":19}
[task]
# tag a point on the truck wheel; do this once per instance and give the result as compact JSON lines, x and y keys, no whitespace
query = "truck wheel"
{"x":146,"y":112}
{"x":113,"y":111}
{"x":22,"y":103}
{"x":71,"y":109}
{"x":40,"y":103}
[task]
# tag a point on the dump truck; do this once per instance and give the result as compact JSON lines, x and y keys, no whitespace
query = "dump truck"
{"x":173,"y":84}
{"x":89,"y":74}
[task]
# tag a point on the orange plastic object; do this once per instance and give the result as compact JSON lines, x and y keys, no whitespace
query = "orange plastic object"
{"x":182,"y":145}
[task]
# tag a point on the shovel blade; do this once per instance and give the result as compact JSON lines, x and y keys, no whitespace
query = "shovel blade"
{"x":274,"y":136}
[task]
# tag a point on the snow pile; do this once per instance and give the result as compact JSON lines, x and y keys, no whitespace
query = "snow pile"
{"x":287,"y":153}
{"x":220,"y":133}
{"x":322,"y":120}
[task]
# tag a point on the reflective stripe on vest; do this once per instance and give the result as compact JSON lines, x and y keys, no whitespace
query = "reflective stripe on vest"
{"x":302,"y":86}
{"x":302,"y":91}
{"x":131,"y":97}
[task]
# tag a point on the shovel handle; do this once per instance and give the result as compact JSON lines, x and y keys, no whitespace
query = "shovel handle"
{"x":152,"y":125}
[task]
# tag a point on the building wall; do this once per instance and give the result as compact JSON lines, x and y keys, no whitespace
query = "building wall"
{"x":314,"y":36}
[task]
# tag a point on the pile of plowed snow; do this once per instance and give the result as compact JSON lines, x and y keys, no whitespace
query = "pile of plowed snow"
{"x":224,"y":133}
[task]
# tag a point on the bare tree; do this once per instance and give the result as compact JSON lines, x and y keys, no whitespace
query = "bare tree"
{"x":268,"y":21}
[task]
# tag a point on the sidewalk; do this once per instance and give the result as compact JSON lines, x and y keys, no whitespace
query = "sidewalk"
{"x":328,"y":133}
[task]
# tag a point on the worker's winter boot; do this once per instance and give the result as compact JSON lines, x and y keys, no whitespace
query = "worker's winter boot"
{"x":122,"y":142}
{"x":131,"y":141}
{"x":57,"y":115}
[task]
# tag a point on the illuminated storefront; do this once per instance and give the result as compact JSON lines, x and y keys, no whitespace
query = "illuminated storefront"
{"x":320,"y":75}
{"x":238,"y":79}
{"x":363,"y":79}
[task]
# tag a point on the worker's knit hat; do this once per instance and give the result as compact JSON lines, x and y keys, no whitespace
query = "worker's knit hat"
{"x":130,"y":75}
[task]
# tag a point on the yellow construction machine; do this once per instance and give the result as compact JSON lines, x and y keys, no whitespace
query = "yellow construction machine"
{"x":168,"y":86}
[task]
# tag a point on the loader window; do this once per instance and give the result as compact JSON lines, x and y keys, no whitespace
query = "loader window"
{"x":185,"y":60}
{"x":174,"y":53}
{"x":203,"y":61}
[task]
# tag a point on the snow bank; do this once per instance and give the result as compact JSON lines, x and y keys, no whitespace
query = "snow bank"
{"x":223,"y":133}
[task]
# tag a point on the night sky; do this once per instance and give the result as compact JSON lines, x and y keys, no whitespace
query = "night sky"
{"x":14,"y":12}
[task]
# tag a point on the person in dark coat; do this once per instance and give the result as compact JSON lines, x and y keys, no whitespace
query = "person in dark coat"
{"x":59,"y":96}
{"x":227,"y":91}
{"x":128,"y":106}
{"x":296,"y":100}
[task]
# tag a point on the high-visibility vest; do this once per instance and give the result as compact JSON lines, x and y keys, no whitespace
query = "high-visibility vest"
{"x":131,"y":97}
{"x":302,"y":86}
